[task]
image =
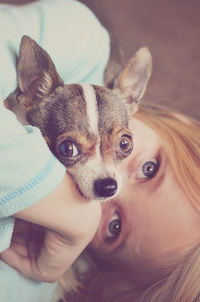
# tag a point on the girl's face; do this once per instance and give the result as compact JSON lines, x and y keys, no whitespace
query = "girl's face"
{"x":152,"y":220}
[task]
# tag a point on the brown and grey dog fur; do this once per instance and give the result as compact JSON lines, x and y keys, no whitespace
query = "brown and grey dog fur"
{"x":85,"y":126}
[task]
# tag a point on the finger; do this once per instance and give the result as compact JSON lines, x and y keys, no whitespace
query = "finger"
{"x":23,"y":263}
{"x":17,"y":260}
{"x":55,"y":258}
{"x":19,"y":248}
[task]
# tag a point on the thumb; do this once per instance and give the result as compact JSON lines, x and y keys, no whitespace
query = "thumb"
{"x":55,"y":257}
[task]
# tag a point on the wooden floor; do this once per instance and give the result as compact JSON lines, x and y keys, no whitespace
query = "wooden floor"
{"x":171,"y":29}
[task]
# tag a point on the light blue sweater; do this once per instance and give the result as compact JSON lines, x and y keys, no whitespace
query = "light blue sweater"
{"x":79,"y":47}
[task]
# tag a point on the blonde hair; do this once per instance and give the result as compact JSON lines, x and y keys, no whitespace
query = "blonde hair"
{"x":180,"y":136}
{"x":182,"y":285}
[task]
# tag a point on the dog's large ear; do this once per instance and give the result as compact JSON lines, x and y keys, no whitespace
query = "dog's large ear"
{"x":133,"y":79}
{"x":37,"y":75}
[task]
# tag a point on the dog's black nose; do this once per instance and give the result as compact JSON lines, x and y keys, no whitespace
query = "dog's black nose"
{"x":105,"y":187}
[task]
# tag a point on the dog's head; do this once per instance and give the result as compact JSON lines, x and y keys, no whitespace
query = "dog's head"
{"x":85,"y":126}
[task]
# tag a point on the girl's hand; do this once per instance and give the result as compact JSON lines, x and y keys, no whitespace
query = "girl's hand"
{"x":51,"y":234}
{"x":38,"y":253}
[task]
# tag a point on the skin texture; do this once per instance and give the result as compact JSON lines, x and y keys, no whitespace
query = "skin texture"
{"x":158,"y":222}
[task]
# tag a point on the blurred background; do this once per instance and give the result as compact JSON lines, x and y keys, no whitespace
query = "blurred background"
{"x":171,"y":30}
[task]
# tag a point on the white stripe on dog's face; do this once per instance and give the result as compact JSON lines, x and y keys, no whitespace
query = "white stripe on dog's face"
{"x":91,"y":107}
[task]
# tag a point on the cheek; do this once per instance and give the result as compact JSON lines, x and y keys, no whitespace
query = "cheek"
{"x":147,"y":219}
{"x":158,"y":227}
{"x":145,"y":235}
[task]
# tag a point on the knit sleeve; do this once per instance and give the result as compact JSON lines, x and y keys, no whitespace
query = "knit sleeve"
{"x":28,"y":171}
{"x":74,"y":38}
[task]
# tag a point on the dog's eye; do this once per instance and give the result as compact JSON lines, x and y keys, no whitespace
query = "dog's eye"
{"x":126,"y":144}
{"x":68,"y":149}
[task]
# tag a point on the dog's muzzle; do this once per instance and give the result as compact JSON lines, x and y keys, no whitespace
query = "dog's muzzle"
{"x":105,"y":187}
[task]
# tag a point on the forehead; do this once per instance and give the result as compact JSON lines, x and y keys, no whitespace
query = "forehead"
{"x":145,"y":138}
{"x":84,"y":106}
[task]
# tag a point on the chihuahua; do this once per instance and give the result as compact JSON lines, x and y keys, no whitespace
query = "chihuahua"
{"x":85,"y":126}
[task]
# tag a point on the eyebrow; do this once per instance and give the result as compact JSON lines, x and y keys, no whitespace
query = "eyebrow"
{"x":120,"y":246}
{"x":161,"y":172}
{"x":122,"y":243}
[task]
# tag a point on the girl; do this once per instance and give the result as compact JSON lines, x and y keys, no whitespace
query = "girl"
{"x":147,"y":246}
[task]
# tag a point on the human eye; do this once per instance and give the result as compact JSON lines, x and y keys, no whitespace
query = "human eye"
{"x":113,"y":228}
{"x":149,"y":169}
